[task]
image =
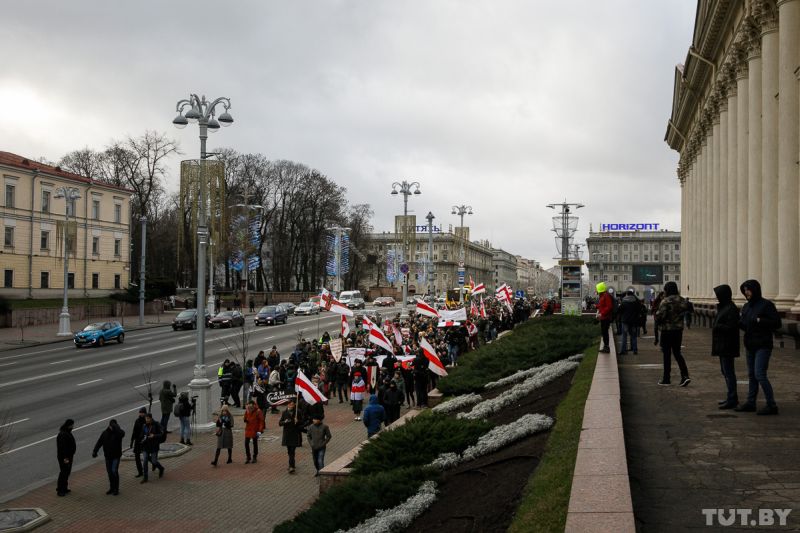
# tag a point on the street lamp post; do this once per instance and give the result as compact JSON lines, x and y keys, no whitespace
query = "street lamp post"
{"x":462,"y":210}
{"x":199,"y":110}
{"x":70,"y":194}
{"x":404,"y":188}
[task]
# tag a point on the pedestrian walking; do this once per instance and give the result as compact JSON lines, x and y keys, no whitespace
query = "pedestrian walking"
{"x":319,"y":435}
{"x":224,"y":434}
{"x":292,"y":432}
{"x":184,"y":410}
{"x":254,"y":425}
{"x":136,"y":440}
{"x":759,"y":321}
{"x":392,"y":398}
{"x":630,"y":315}
{"x":111,"y":442}
{"x":152,"y":437}
{"x":374,"y":416}
{"x":252,"y":305}
{"x":167,"y":398}
{"x":357,"y":391}
{"x":65,"y":452}
{"x":605,"y":308}
{"x":342,"y":377}
{"x":237,"y":378}
{"x":670,"y":316}
{"x":725,"y":342}
{"x":654,"y":309}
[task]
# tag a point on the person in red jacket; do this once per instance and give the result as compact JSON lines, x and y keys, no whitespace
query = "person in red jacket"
{"x":605,"y":308}
{"x":253,"y":427}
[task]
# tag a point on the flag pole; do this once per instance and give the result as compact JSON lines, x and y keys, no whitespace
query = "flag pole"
{"x":296,"y":406}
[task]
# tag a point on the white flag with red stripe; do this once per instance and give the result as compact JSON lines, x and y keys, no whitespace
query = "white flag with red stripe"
{"x":366,"y":323}
{"x":483,"y":310}
{"x":426,"y":310}
{"x":304,"y":386}
{"x":480,"y":288}
{"x":377,"y":337}
{"x":332,"y":304}
{"x":345,"y":327}
{"x":472,"y":329}
{"x":398,"y":335}
{"x":473,"y":309}
{"x":434,"y":363}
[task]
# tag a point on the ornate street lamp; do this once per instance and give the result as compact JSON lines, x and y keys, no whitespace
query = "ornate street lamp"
{"x":70,"y":194}
{"x":404,"y":187}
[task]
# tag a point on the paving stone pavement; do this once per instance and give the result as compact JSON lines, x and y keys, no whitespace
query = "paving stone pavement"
{"x":685,"y":455}
{"x":193,"y":495}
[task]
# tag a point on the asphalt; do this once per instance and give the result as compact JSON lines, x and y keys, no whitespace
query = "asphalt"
{"x":41,"y":386}
{"x":685,"y":455}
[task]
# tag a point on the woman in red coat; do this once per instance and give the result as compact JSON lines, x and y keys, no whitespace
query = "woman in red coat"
{"x":253,"y":427}
{"x":605,"y":309}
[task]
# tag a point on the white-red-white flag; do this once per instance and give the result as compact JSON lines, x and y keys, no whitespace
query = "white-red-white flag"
{"x":426,"y":310}
{"x":473,"y":309}
{"x":366,"y":323}
{"x":332,"y":304}
{"x":345,"y":327}
{"x":480,"y":288}
{"x":377,"y":337}
{"x":483,"y":310}
{"x":472,"y":329}
{"x":398,"y":335}
{"x":434,"y":363}
{"x":304,"y":386}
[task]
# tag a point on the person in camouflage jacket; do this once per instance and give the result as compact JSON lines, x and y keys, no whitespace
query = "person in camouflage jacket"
{"x":670,"y":317}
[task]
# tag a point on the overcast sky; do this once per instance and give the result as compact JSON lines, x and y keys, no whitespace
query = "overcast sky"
{"x":502,"y":105}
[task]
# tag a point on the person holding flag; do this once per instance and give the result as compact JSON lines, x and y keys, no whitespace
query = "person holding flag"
{"x":292,"y":437}
{"x":357,"y":391}
{"x":345,"y":327}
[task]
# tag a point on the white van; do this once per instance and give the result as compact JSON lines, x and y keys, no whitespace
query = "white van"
{"x":346,"y":296}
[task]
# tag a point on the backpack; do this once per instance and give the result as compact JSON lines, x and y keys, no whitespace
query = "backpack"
{"x":177,"y":409}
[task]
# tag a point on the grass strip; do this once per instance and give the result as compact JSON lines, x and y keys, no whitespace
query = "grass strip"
{"x":546,"y":498}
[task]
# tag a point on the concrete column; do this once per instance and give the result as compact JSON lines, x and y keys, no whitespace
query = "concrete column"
{"x":699,"y":216}
{"x":742,"y":153}
{"x":788,"y":144}
{"x":755,"y":249}
{"x":693,"y":226}
{"x":723,"y":243}
{"x":685,"y":185}
{"x":715,"y":214}
{"x":709,"y":214}
{"x":732,"y":178}
{"x":769,"y":160}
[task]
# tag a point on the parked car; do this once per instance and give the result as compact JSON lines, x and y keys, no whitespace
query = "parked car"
{"x":99,"y":333}
{"x":227,"y":319}
{"x":411,"y":300}
{"x":384,"y":301}
{"x":289,"y":306}
{"x":307,"y":308}
{"x":271,"y":314}
{"x":356,"y":303}
{"x":188,"y":320}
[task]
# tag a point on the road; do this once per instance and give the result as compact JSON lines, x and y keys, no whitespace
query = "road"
{"x":42,"y":386}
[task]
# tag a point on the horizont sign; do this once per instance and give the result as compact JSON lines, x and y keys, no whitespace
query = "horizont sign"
{"x":630,"y":227}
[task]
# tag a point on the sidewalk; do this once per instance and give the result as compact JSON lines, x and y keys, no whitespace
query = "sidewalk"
{"x":686,"y":455}
{"x":193,"y":495}
{"x":11,"y":338}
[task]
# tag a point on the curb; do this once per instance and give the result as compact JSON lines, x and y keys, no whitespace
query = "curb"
{"x":41,"y":518}
{"x":6,"y":347}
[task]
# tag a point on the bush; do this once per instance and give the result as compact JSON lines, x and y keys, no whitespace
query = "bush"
{"x":536,"y":342}
{"x":5,"y":307}
{"x":347,"y":504}
{"x":418,"y":442}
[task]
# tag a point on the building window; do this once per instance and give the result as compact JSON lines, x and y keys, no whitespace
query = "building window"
{"x":8,"y":240}
{"x":646,"y":257}
{"x":44,"y":280}
{"x":45,"y":240}
{"x":677,"y":246}
{"x":616,"y":258}
{"x":595,"y":277}
{"x":95,"y":245}
{"x":10,"y":195}
{"x":666,"y":277}
{"x":625,"y":257}
{"x":96,"y":209}
{"x":118,"y":213}
{"x":625,"y":247}
{"x":677,"y":278}
{"x":8,"y":279}
{"x":627,"y":277}
{"x":666,"y":257}
{"x":116,"y":281}
{"x":655,"y":257}
{"x":95,"y":280}
{"x":45,"y":201}
{"x":70,"y":207}
{"x":71,"y":280}
{"x":117,"y":247}
{"x":677,"y":257}
{"x":635,"y":247}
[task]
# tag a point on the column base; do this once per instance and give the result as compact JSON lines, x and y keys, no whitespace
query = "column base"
{"x":784,"y":302}
{"x":200,"y":389}
{"x":796,"y":307}
{"x":64,"y":327}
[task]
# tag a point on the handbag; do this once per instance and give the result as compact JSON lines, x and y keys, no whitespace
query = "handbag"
{"x":218,"y":432}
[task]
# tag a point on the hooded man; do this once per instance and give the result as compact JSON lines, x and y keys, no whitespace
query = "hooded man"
{"x":136,"y":440}
{"x":374,"y":416}
{"x":759,"y":320}
{"x":167,"y":396}
{"x":725,"y":342}
{"x":670,"y":316}
{"x":65,"y":451}
{"x":605,"y":309}
{"x":630,"y":314}
{"x":111,"y":442}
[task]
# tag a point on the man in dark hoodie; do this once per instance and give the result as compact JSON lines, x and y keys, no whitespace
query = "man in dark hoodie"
{"x":670,"y":316}
{"x":759,"y":320}
{"x":136,"y":440}
{"x":630,"y":311}
{"x":111,"y":442}
{"x":65,"y":451}
{"x":725,"y":342}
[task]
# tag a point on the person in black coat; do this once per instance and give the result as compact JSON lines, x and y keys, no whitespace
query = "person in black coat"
{"x":342,"y":371}
{"x":759,"y":320}
{"x":725,"y":342}
{"x":421,"y":379}
{"x":111,"y":442}
{"x":392,"y":398}
{"x":292,"y":437}
{"x":152,"y":435}
{"x":136,"y":440}
{"x":630,"y":315}
{"x":65,"y":451}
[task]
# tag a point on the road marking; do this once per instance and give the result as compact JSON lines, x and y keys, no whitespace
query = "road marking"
{"x":185,"y":336}
{"x":59,"y":362}
{"x":31,"y":353}
{"x":14,"y":422}
{"x":9,"y":364}
{"x":144,"y":384}
{"x":88,"y":382}
{"x":128,"y":348}
{"x":168,"y":362}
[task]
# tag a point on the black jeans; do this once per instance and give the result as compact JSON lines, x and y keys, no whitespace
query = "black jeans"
{"x":137,"y":454}
{"x":112,"y":469}
{"x":247,"y":446}
{"x":604,"y":325}
{"x":63,"y":476}
{"x":726,"y":365}
{"x":290,"y":450}
{"x":341,"y":391}
{"x":671,"y":346}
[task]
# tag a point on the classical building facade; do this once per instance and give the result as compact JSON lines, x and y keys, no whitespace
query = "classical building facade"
{"x":33,"y":224}
{"x":643,"y":260}
{"x":504,"y":265}
{"x":734,"y":121}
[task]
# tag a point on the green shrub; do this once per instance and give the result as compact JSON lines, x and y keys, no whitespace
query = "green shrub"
{"x":536,"y":342}
{"x":418,"y":442}
{"x":345,"y":505}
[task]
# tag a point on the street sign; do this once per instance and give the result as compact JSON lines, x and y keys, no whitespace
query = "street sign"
{"x":461,"y":265}
{"x":519,"y":294}
{"x":404,"y":268}
{"x":461,"y":275}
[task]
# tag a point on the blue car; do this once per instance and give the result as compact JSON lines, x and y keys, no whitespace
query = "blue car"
{"x":99,"y":333}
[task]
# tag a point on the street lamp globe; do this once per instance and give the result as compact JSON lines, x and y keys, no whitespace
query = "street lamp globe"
{"x":417,"y":191}
{"x":394,"y":191}
{"x":226,"y":119}
{"x":193,"y":115}
{"x":180,"y":121}
{"x":213,"y":125}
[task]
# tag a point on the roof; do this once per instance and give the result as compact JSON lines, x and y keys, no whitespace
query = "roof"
{"x":17,"y":161}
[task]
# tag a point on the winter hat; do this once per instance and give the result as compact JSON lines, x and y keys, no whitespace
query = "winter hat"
{"x":357,"y":374}
{"x":143,"y":410}
{"x":601,"y":288}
